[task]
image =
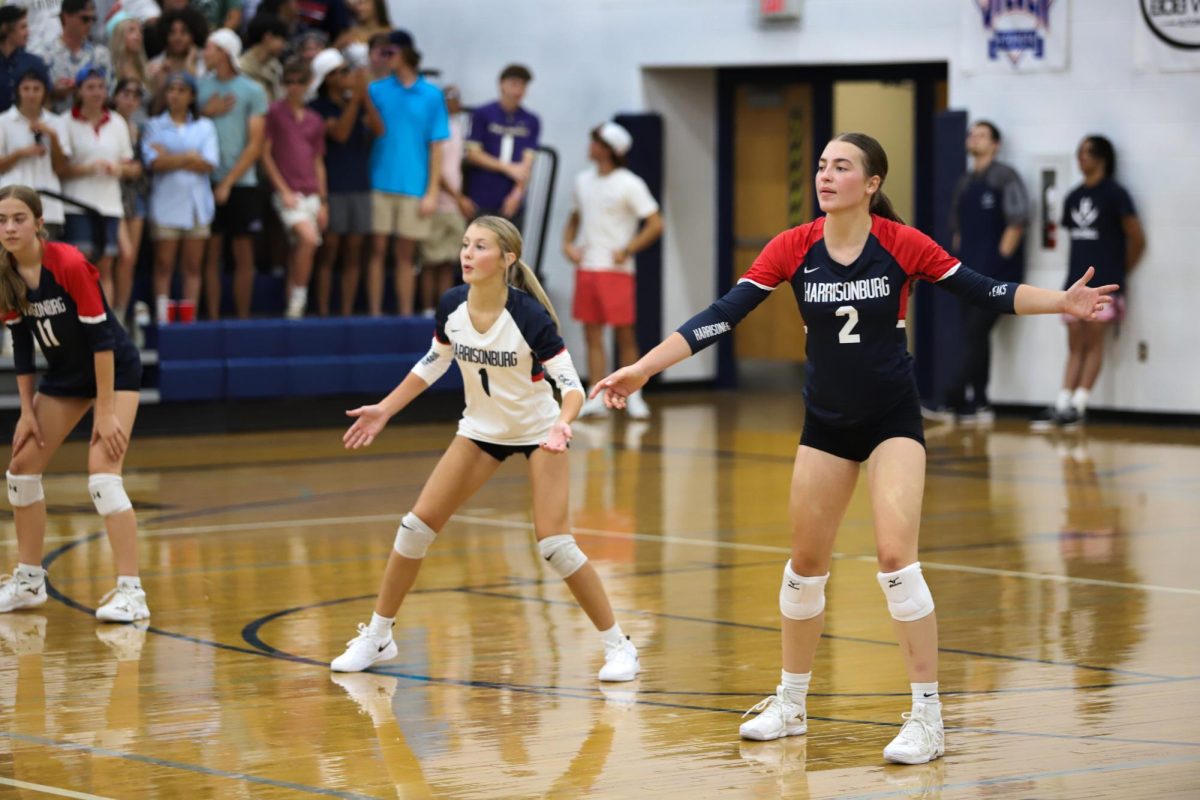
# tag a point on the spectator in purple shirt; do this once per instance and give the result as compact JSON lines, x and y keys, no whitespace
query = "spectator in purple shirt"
{"x":501,"y":148}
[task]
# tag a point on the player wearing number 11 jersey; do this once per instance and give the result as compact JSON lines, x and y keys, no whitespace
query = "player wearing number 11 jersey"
{"x":50,"y":293}
{"x":851,"y":273}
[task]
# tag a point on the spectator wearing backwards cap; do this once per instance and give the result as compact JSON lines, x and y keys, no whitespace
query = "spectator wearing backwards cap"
{"x":600,"y":239}
{"x":34,"y":147}
{"x":341,"y":103}
{"x":101,"y":155}
{"x":238,"y":107}
{"x":70,"y":53}
{"x":406,"y":163}
{"x":15,"y":60}
{"x":501,"y":148}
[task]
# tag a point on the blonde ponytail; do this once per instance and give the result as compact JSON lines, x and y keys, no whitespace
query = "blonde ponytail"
{"x":522,"y":277}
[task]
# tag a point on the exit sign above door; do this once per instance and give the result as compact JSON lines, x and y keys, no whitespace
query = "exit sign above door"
{"x":778,"y":10}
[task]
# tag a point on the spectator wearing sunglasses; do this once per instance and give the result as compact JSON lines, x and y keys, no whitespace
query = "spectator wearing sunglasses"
{"x":72,"y":52}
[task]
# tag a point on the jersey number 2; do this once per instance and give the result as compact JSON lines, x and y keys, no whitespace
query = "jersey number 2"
{"x":847,"y":335}
{"x":48,"y":333}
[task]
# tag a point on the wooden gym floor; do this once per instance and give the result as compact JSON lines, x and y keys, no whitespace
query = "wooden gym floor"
{"x":1065,"y":571}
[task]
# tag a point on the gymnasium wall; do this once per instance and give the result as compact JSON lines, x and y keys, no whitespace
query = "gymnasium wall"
{"x":593,"y":58}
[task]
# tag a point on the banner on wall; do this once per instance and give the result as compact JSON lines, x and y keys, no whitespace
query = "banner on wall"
{"x":1167,"y":35}
{"x":1014,"y":36}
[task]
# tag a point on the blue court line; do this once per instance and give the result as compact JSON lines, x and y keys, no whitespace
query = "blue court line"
{"x":197,"y":768}
{"x":1031,"y":776}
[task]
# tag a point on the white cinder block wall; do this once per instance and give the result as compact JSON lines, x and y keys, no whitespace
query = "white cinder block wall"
{"x":594,"y":58}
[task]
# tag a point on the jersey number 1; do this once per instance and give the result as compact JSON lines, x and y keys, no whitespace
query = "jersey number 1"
{"x":483,"y":377}
{"x":847,"y":335}
{"x":48,"y":333}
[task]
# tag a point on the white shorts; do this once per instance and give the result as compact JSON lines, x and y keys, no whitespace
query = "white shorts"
{"x":308,"y":206}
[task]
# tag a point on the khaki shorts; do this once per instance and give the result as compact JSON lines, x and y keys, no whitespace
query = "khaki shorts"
{"x":160,"y":233}
{"x":445,"y":238}
{"x":399,"y":215}
{"x":308,"y":206}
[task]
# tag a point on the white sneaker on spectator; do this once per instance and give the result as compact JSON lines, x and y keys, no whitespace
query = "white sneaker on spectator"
{"x":364,"y":650}
{"x":17,"y":591}
{"x":123,"y":604}
{"x":778,"y":717}
{"x":921,"y":739}
{"x":620,"y":662}
{"x":635,"y":406}
{"x":593,"y":408}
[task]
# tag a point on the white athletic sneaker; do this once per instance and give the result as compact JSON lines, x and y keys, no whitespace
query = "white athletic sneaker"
{"x":17,"y":592}
{"x":593,"y":408}
{"x":125,"y":641}
{"x":23,"y":634}
{"x":364,"y":650}
{"x":778,"y":717}
{"x":620,"y":662}
{"x":123,"y":604}
{"x":635,"y":406}
{"x":922,"y":738}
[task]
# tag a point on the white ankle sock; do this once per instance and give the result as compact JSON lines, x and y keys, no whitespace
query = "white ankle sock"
{"x":30,"y":572}
{"x":129,"y":581}
{"x":1080,"y":399}
{"x":795,"y":685}
{"x":613,"y":636}
{"x":1064,"y":400}
{"x":381,"y":625}
{"x":926,"y":693}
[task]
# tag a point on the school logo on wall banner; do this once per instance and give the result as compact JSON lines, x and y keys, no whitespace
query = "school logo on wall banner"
{"x":1015,"y":35}
{"x":1168,"y":35}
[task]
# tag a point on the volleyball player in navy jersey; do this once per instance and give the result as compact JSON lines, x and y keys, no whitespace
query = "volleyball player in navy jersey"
{"x":51,"y":294}
{"x":851,"y":272}
{"x":502,"y":331}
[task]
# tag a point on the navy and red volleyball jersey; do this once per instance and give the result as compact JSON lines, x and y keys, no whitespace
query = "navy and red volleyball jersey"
{"x":858,"y":367}
{"x":71,"y":320}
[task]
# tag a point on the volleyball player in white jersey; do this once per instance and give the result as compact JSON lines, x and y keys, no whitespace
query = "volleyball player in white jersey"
{"x":501,"y":329}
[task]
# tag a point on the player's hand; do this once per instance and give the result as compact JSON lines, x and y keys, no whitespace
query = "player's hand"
{"x":370,"y":421}
{"x":557,"y":439}
{"x":108,"y":433}
{"x":27,"y":428}
{"x":617,"y":387}
{"x":1085,"y":302}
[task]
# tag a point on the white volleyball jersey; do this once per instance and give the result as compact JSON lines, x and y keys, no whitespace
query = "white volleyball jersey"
{"x":504,"y":368}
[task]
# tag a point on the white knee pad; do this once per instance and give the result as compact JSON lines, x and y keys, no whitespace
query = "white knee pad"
{"x":564,"y":555}
{"x":907,"y":594}
{"x":24,"y":490}
{"x":801,"y":597}
{"x":413,"y":537}
{"x":108,"y":493}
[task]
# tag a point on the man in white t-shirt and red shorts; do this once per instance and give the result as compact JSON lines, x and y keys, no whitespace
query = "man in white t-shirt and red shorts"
{"x":609,"y":204}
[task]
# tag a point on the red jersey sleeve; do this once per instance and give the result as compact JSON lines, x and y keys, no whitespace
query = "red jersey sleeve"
{"x":779,"y":259}
{"x":917,"y":254}
{"x":79,"y":278}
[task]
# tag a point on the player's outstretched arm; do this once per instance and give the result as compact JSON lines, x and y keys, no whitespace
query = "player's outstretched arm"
{"x":627,"y":380}
{"x":370,"y":420}
{"x":1080,"y":300}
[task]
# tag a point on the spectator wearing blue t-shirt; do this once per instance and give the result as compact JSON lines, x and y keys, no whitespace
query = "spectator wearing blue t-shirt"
{"x":238,"y":107}
{"x":501,"y":147}
{"x":15,"y":60}
{"x":409,"y":115}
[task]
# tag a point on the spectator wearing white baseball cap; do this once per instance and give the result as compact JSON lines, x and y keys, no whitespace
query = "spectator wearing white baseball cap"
{"x":608,"y":205}
{"x":237,"y":106}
